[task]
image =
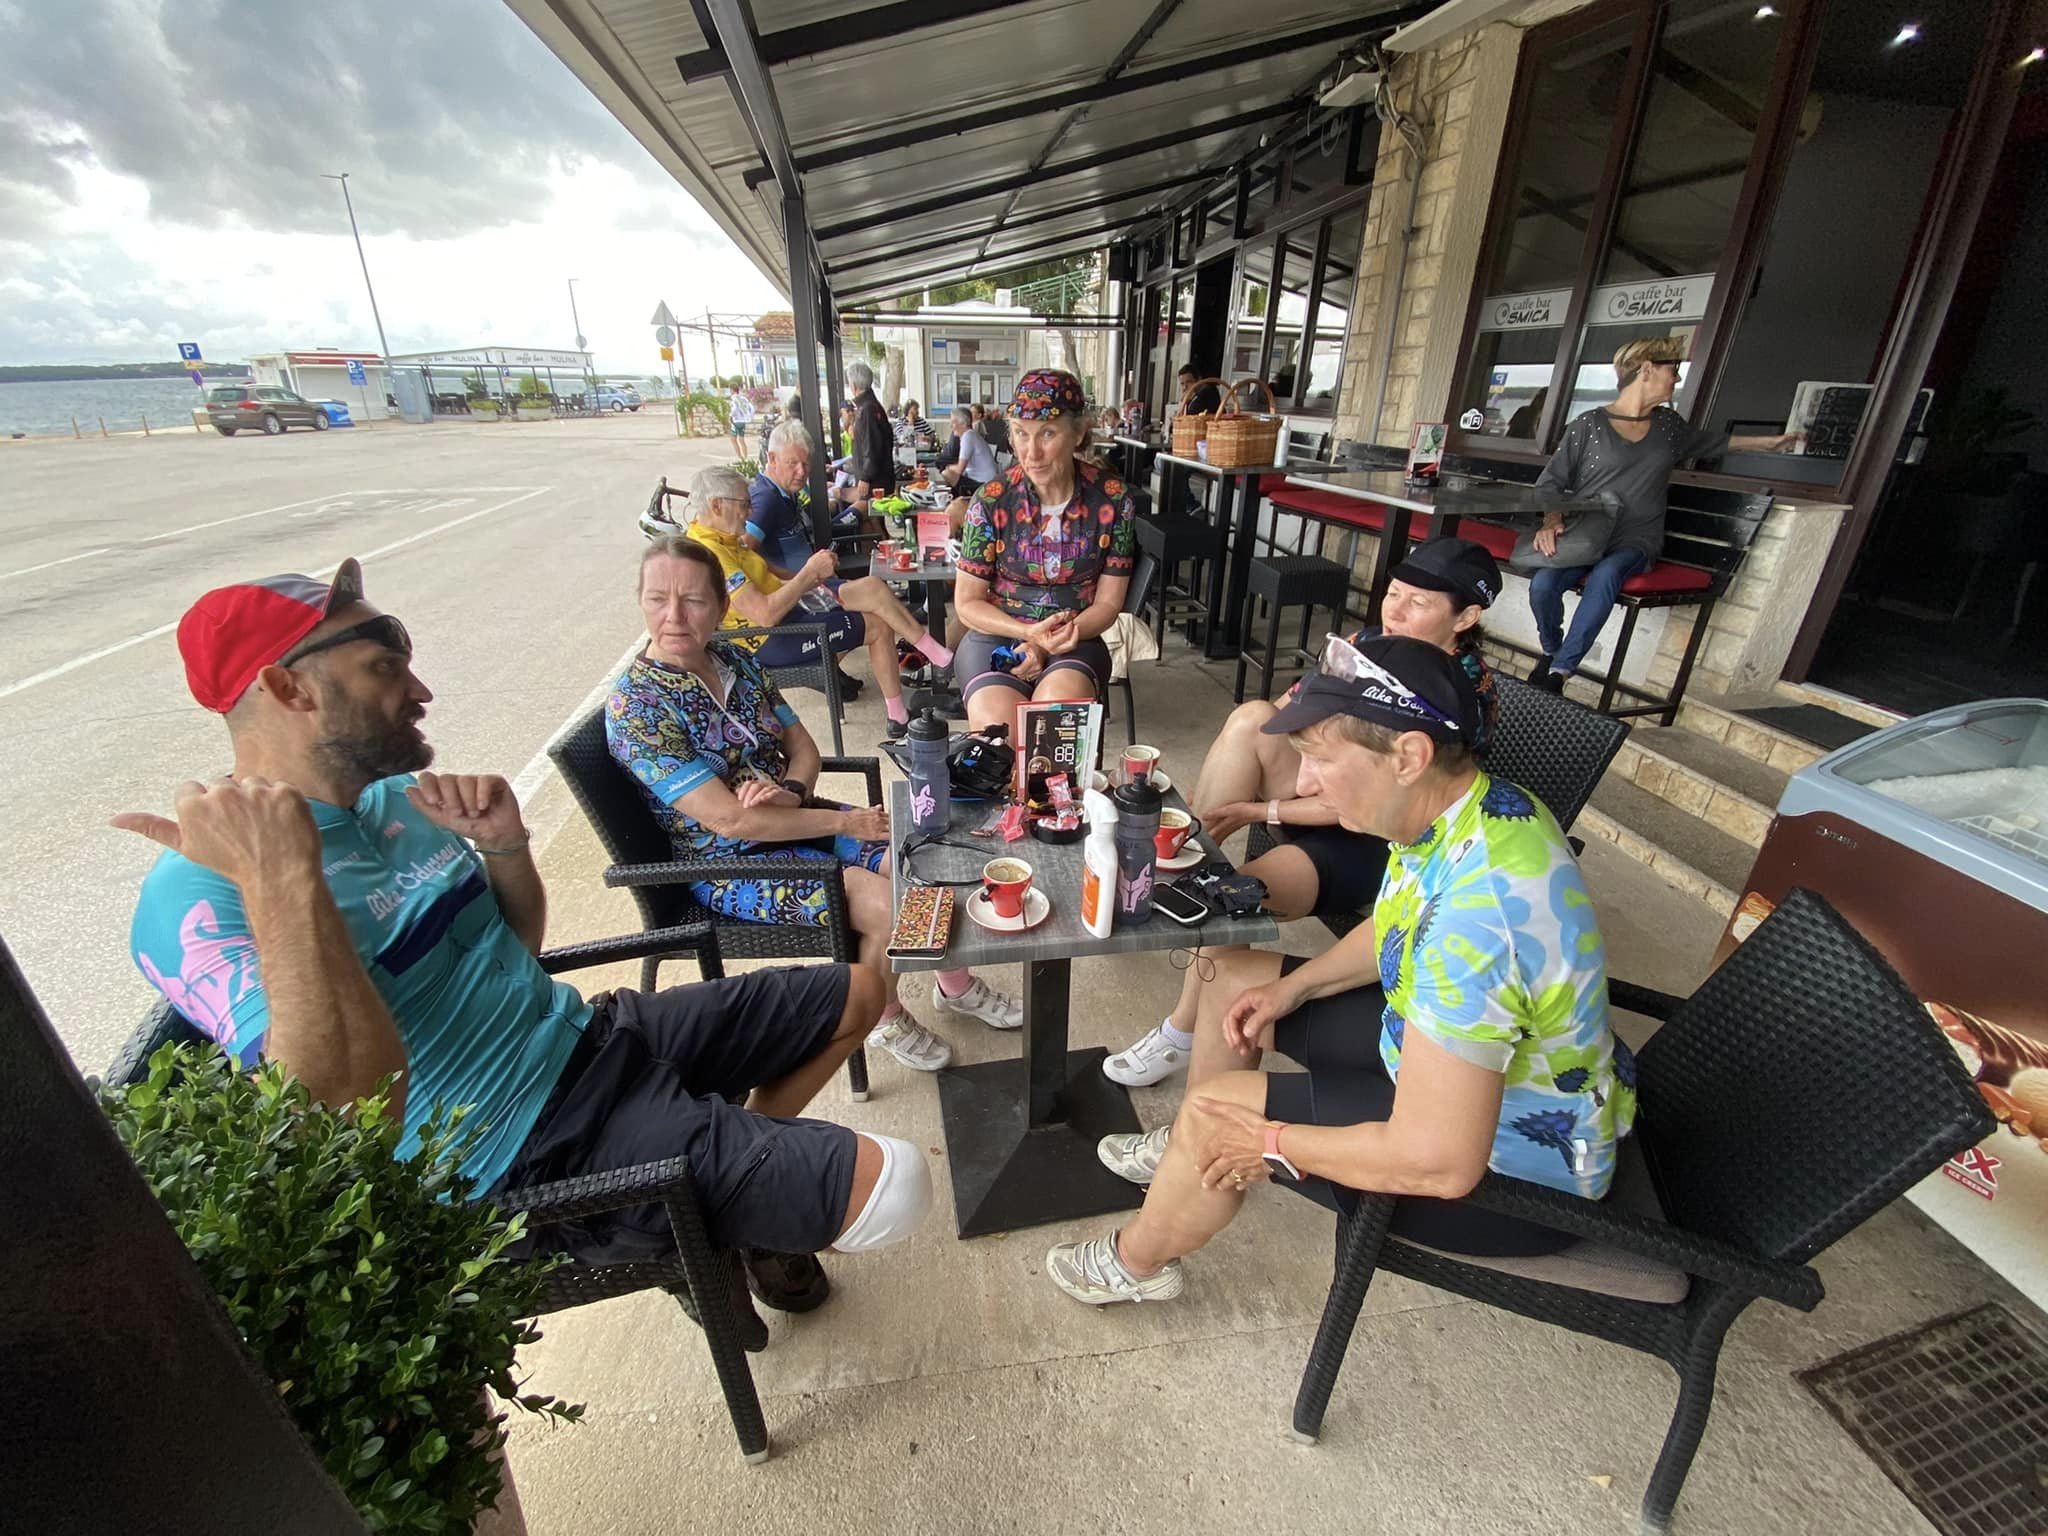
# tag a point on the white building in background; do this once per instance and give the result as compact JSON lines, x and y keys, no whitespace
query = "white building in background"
{"x":321,"y":373}
{"x":973,"y":352}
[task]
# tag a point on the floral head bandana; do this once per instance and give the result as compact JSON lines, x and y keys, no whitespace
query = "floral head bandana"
{"x":1046,"y":394}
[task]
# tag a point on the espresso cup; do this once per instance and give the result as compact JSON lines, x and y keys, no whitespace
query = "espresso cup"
{"x":1175,"y":828}
{"x":1138,"y":764}
{"x":905,"y":560}
{"x":1007,"y":881}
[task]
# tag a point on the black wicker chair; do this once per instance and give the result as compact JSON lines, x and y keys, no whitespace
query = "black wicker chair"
{"x":695,"y":1271}
{"x":1552,"y":747}
{"x":646,"y":864}
{"x":1797,"y":1092}
{"x":821,"y":674}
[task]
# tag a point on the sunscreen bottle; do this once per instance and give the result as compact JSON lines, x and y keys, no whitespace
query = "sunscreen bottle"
{"x":1099,"y":865}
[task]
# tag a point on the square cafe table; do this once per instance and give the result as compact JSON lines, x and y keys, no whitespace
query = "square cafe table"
{"x":1021,"y":1134}
{"x":1445,"y":504}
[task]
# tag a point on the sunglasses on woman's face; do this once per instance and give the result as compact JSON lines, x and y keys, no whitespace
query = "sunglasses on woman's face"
{"x":384,"y":629}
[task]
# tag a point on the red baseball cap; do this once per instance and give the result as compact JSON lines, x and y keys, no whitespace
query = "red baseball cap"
{"x":232,"y":633}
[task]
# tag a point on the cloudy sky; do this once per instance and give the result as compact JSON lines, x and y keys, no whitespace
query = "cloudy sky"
{"x":160,"y":181}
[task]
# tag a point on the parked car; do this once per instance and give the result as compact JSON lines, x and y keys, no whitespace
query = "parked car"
{"x":612,"y":397}
{"x":261,"y":408}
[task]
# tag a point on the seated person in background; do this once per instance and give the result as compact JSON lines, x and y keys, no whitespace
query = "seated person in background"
{"x":1045,"y":557}
{"x":1322,"y":867}
{"x":1625,"y":451}
{"x":995,"y":428}
{"x":780,"y":527}
{"x":913,"y":431}
{"x":1207,"y":399}
{"x":758,"y":597}
{"x":1464,"y":1028}
{"x":331,"y":912}
{"x":972,"y":465}
{"x":728,"y":769}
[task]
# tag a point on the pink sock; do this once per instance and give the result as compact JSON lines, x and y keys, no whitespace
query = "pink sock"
{"x":953,"y":983}
{"x":935,"y":650}
{"x":898,"y":710}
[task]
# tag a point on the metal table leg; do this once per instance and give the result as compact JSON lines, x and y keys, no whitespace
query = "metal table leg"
{"x":944,"y":694}
{"x":1230,"y":575}
{"x":1021,"y":1134}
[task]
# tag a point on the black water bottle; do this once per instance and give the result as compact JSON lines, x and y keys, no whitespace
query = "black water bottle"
{"x":1137,"y":823}
{"x":931,"y":779}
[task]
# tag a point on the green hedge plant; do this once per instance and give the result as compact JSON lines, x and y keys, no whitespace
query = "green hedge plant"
{"x":369,"y":1288}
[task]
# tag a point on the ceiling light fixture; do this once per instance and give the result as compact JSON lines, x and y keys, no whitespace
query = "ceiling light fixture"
{"x":1766,"y":12}
{"x":2035,"y":56}
{"x":1909,"y":33}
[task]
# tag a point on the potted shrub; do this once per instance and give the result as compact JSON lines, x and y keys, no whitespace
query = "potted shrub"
{"x":483,"y":405}
{"x":373,"y":1293}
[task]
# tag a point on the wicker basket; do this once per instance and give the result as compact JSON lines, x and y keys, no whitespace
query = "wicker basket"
{"x":1241,"y":439}
{"x":1191,"y":428}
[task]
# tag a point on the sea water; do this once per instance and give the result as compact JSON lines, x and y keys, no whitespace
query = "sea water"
{"x":42,"y":408}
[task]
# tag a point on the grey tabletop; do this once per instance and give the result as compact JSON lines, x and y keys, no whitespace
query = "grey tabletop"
{"x":1056,"y":870}
{"x":1204,"y":467}
{"x":1139,"y":442}
{"x":1457,"y":494}
{"x":944,"y":570}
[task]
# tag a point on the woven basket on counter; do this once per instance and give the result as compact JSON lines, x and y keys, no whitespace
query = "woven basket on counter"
{"x":1239,"y":439}
{"x":1191,"y":428}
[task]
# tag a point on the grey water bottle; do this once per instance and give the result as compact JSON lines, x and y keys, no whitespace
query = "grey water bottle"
{"x":1137,"y":823}
{"x":931,"y":781}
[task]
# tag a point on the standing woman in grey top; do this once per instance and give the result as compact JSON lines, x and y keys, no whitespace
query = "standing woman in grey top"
{"x":1626,"y":452}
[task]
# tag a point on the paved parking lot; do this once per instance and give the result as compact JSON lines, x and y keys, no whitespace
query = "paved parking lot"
{"x":506,"y":548}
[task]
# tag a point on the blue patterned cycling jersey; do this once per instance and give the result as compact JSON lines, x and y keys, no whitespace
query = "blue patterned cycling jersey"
{"x":1490,"y":946}
{"x":481,"y":1022}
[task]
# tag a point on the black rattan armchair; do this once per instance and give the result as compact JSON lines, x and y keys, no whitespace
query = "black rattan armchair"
{"x":1549,"y":745}
{"x":647,"y":865}
{"x":696,"y":1274}
{"x":820,"y":673}
{"x":1796,"y":1093}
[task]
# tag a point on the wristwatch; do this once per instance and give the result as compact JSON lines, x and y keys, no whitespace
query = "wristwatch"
{"x":1276,"y":1160}
{"x":798,"y":788}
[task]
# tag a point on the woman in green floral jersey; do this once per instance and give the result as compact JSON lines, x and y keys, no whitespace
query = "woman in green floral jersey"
{"x":1464,"y":1028}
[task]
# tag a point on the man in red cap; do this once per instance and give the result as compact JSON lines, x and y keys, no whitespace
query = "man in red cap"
{"x":332,"y":908}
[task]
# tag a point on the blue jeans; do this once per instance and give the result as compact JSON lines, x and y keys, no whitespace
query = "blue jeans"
{"x":1601,"y":582}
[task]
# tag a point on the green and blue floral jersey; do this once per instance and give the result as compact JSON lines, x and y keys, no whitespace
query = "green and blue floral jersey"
{"x":1489,"y":945}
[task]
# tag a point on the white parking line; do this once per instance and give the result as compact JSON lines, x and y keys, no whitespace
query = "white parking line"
{"x":62,"y":668}
{"x":243,"y":517}
{"x":30,"y":570}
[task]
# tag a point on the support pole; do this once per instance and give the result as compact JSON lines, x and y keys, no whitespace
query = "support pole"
{"x":803,"y":302}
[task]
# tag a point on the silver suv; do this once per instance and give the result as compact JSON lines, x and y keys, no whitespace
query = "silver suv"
{"x":261,"y":408}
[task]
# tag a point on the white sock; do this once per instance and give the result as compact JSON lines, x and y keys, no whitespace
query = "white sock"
{"x":1180,"y":1040}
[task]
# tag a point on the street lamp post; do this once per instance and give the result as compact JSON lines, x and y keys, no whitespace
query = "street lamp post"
{"x":589,"y":376}
{"x":383,"y":346}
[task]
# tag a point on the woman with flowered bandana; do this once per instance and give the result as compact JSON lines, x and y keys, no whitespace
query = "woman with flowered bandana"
{"x":1045,"y":559}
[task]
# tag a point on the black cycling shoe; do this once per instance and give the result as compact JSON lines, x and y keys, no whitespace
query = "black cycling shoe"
{"x":849,"y":685}
{"x":1550,"y":682}
{"x":1541,"y":670}
{"x":788,"y":1282}
{"x":895,"y":730}
{"x":753,"y":1330}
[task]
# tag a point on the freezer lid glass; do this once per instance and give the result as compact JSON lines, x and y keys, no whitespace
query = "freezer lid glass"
{"x":1979,"y":767}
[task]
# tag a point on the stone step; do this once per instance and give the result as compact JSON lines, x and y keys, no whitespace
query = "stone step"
{"x":1690,"y":854}
{"x":1721,"y":720}
{"x":1726,"y":788}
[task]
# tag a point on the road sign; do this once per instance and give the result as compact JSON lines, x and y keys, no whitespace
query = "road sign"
{"x":664,"y":336}
{"x":355,"y":373}
{"x":668,"y":354}
{"x":198,"y":377}
{"x":662,"y":315}
{"x":188,"y":351}
{"x":581,"y":343}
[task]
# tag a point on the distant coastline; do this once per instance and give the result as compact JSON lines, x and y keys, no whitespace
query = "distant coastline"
{"x":66,"y":373}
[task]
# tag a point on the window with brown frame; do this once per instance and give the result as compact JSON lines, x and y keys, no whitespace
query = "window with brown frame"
{"x":1634,"y":137}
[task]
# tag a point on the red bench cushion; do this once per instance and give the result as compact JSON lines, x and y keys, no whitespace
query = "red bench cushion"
{"x":1496,"y":539}
{"x":1665,"y":579}
{"x":1329,"y":507}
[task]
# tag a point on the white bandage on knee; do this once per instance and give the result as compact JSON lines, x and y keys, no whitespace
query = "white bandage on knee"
{"x":897,"y":1204}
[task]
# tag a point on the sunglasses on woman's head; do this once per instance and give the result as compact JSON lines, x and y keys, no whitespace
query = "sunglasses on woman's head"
{"x":384,"y":629}
{"x":1346,"y":663}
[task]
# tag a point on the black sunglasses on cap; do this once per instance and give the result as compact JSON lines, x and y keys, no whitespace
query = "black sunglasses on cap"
{"x":384,"y":629}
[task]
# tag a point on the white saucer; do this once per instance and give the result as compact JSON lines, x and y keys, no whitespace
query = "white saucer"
{"x":1190,"y":855}
{"x":1037,"y":908}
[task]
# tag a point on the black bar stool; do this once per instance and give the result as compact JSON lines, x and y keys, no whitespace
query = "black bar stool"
{"x":1307,"y":582}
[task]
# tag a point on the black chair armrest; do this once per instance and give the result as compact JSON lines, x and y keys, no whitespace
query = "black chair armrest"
{"x":615,"y":1189}
{"x":668,"y":943}
{"x":1796,"y":1285}
{"x":795,"y":626}
{"x":869,"y":768}
{"x":1647,"y":1001}
{"x":838,"y":915}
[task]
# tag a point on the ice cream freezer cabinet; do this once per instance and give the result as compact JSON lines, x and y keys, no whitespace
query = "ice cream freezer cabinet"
{"x":1931,"y":837}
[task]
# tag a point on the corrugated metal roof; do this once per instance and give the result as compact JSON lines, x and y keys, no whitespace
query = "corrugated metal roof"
{"x":994,"y":166}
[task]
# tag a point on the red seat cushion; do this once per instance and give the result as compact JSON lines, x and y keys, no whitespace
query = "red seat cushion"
{"x":1664,"y":579}
{"x":1329,"y":507}
{"x":1497,"y":540}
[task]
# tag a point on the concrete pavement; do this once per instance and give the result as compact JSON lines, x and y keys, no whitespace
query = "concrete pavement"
{"x":507,"y":548}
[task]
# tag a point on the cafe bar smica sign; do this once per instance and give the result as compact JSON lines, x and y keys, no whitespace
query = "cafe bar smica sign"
{"x":1665,"y":298}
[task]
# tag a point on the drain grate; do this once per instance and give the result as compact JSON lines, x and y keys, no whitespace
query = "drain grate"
{"x":1956,"y":1414}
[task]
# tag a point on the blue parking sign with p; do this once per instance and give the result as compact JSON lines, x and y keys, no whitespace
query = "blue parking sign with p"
{"x":188,"y":351}
{"x":355,"y":372}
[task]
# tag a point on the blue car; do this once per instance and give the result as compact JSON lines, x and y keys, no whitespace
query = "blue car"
{"x":612,"y":397}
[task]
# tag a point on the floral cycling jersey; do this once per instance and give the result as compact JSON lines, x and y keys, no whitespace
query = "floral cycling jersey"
{"x":1490,"y":946}
{"x":1035,"y":566}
